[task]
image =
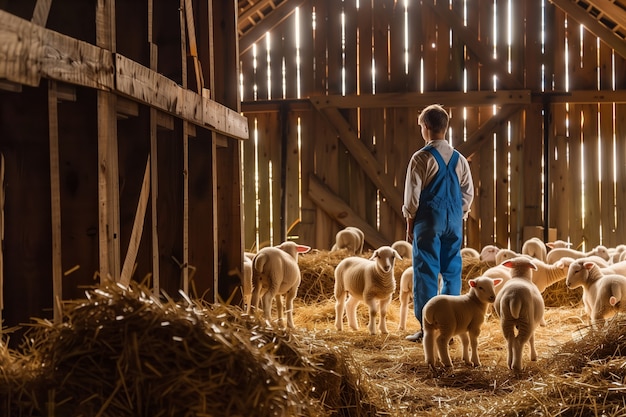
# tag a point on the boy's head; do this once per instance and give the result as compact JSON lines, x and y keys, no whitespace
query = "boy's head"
{"x":434,"y":118}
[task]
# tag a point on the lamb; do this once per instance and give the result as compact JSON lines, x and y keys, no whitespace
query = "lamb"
{"x":558,"y":253}
{"x":470,"y":253}
{"x":504,"y":254}
{"x":601,"y":292}
{"x":535,"y":248}
{"x":370,"y":280}
{"x":520,"y":307}
{"x":275,"y":272}
{"x":488,"y":253}
{"x":445,"y":316}
{"x":545,"y":275}
{"x":404,"y":249}
{"x":350,"y":238}
{"x":405,"y":295}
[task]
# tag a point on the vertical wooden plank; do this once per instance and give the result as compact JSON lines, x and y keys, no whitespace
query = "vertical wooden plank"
{"x":333,"y":45}
{"x":415,"y":45}
{"x":501,"y":207}
{"x":307,"y":227}
{"x":41,"y":12}
{"x":154,"y":171}
{"x":290,"y":54}
{"x":320,"y":40}
{"x":249,"y":76}
{"x":486,"y":194}
{"x":292,"y":169}
{"x":380,"y":22}
{"x":307,"y":53}
{"x":576,"y":232}
{"x":364,"y":85}
{"x":516,"y":183}
{"x":277,"y":53}
{"x":620,"y":150}
{"x":2,"y":237}
{"x":248,"y":185}
{"x":608,"y":225}
{"x":592,"y":175}
{"x":398,"y":77}
{"x":55,"y":202}
{"x":350,"y":49}
{"x":108,"y":173}
{"x":185,"y":141}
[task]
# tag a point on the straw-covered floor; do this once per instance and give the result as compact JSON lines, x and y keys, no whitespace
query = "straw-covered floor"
{"x":123,"y":352}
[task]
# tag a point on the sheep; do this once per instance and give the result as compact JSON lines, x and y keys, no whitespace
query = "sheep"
{"x":536,"y":248}
{"x":470,"y":253}
{"x":617,"y":252}
{"x":556,"y":254}
{"x":520,"y":307}
{"x":488,"y":253}
{"x":601,"y":292}
{"x":370,"y":280}
{"x":545,"y":275}
{"x":405,"y":295}
{"x":558,"y":244}
{"x":350,"y":238}
{"x":504,"y":254}
{"x":275,"y":272}
{"x":404,"y":249}
{"x":445,"y":316}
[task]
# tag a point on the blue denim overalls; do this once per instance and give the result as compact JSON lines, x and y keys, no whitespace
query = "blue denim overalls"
{"x":438,"y":235}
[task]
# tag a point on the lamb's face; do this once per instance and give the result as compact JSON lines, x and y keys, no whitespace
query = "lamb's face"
{"x":484,"y":288}
{"x":385,"y":258}
{"x":576,"y":275}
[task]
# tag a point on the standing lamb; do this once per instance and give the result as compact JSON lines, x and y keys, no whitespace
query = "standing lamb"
{"x":520,"y":307}
{"x":601,"y":293}
{"x":488,"y":253}
{"x":535,"y":248}
{"x":558,"y":253}
{"x":445,"y":316}
{"x":405,"y":295}
{"x":370,"y":280}
{"x":404,"y":249}
{"x":350,"y":238}
{"x":275,"y":272}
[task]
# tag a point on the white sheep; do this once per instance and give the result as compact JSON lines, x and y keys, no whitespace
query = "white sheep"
{"x":275,"y":272}
{"x":535,"y":248}
{"x":405,"y":295}
{"x":404,"y":249}
{"x":520,"y":307}
{"x":470,"y":253}
{"x":446,"y":316}
{"x":601,"y":292}
{"x":558,"y":253}
{"x":350,"y":238}
{"x":545,"y":275}
{"x":370,"y":280}
{"x":504,"y":254}
{"x":488,"y":253}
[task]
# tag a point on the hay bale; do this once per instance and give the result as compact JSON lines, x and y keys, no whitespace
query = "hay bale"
{"x":123,"y":352}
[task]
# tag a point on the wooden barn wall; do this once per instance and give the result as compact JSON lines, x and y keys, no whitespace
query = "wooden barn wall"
{"x":449,"y":49}
{"x":54,"y":133}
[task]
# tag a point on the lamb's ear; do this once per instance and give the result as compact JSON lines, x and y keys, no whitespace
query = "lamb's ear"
{"x":497,"y":281}
{"x":472,"y":282}
{"x":613,"y":300}
{"x":588,"y":265}
{"x":303,"y":248}
{"x":396,"y":254}
{"x":374,"y":255}
{"x":507,"y":263}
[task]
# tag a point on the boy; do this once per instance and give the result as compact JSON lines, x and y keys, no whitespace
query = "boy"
{"x":438,"y":193}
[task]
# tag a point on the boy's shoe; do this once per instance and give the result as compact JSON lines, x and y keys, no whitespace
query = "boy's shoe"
{"x":417,"y":337}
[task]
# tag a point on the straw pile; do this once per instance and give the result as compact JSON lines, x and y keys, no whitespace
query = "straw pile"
{"x":123,"y":352}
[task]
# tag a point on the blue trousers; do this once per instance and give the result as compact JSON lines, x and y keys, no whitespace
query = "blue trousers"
{"x":437,"y":240}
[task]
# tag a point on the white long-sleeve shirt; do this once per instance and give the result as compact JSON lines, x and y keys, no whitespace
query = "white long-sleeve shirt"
{"x":422,"y":169}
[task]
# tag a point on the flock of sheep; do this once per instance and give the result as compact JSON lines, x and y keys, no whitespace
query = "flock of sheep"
{"x":512,"y":288}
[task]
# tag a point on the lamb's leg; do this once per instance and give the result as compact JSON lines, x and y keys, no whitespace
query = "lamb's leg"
{"x":339,"y":309}
{"x":465,"y":343}
{"x":267,"y":304}
{"x":383,"y":315}
{"x":531,"y":344}
{"x":473,"y":337}
{"x":351,"y":305}
{"x":280,"y":310}
{"x":373,"y":310}
{"x":442,"y":346}
{"x":429,"y":346}
{"x":508,"y":331}
{"x":289,"y":297}
{"x":404,"y":308}
{"x":518,"y":350}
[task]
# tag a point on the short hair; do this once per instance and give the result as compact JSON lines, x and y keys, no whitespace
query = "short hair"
{"x":434,"y":117}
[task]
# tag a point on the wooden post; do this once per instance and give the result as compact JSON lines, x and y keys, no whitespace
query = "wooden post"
{"x":154,"y":171}
{"x":185,"y":271}
{"x":1,"y":237}
{"x":55,"y":201}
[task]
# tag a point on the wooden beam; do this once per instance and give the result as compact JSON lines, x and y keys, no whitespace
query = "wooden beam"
{"x":29,"y":52}
{"x":273,"y":19}
{"x":584,"y":18}
{"x":41,"y":12}
{"x":477,"y":138}
{"x":138,"y":224}
{"x":417,"y":100}
{"x":471,"y":40}
{"x":364,"y":158}
{"x":336,"y":208}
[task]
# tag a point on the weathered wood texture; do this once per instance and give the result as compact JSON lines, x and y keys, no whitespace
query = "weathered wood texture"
{"x":114,"y":166}
{"x":361,"y":84}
